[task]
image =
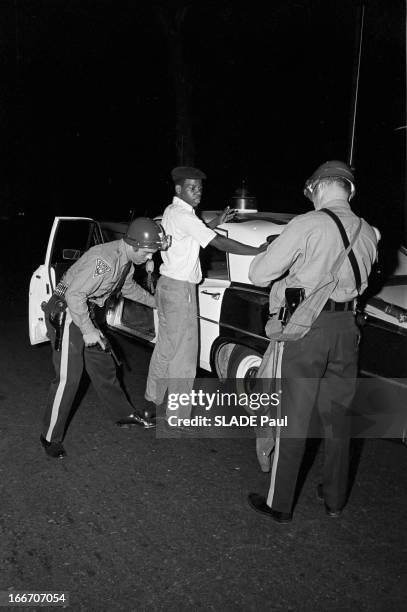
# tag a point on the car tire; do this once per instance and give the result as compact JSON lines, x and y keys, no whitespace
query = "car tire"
{"x":243,"y":365}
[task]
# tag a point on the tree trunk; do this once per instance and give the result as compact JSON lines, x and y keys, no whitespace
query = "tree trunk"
{"x":172,"y":25}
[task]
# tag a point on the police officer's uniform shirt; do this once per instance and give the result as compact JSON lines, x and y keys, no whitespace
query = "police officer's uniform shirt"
{"x":94,"y":276}
{"x":181,"y":260}
{"x":308,"y":247}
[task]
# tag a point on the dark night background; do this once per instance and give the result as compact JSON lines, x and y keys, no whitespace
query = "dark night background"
{"x":87,"y":104}
{"x":90,"y":108}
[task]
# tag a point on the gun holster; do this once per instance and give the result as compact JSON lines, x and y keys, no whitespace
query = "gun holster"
{"x":55,"y":309}
{"x":55,"y":304}
{"x":293,"y":298}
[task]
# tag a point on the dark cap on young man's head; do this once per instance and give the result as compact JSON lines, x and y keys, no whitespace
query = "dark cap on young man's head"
{"x":187,"y":172}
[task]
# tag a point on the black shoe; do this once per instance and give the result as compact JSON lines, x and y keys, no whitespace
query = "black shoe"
{"x":258,"y":503}
{"x":150,"y":411}
{"x":329,"y":511}
{"x":134,"y":419}
{"x":53,"y":449}
{"x":332,"y":513}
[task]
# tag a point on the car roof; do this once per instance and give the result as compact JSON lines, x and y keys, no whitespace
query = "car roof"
{"x":271,"y":217}
{"x":253,"y":230}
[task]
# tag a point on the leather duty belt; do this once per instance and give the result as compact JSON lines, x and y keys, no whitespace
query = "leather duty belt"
{"x":332,"y":306}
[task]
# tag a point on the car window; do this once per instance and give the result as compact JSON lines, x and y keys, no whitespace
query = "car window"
{"x":74,"y":236}
{"x":72,"y":239}
{"x":214,"y":263}
{"x":113,"y":230}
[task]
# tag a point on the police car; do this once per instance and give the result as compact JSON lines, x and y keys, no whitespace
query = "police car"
{"x":232,"y":311}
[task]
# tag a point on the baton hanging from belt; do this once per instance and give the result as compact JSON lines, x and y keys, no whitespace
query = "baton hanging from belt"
{"x":108,"y":347}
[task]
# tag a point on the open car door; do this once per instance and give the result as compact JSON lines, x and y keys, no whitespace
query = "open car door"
{"x":134,"y":318}
{"x":70,"y":237}
{"x":126,"y":316}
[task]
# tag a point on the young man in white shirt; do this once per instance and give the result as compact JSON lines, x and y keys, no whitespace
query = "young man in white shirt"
{"x":174,"y":361}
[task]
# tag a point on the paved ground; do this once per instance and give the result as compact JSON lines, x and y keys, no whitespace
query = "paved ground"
{"x":131,"y":522}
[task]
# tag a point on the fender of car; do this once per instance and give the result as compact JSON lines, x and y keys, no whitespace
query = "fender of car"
{"x":232,"y":311}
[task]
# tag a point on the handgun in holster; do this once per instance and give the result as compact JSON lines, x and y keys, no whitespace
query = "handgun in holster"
{"x":293,"y":298}
{"x":55,"y":309}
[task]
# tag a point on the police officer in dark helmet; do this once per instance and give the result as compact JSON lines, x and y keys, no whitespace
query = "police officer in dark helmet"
{"x":322,"y":260}
{"x":103,"y":270}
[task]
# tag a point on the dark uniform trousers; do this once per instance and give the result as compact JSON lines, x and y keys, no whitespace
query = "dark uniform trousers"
{"x":69,"y":363}
{"x":318,"y":371}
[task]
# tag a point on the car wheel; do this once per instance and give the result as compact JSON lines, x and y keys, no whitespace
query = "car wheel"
{"x":244,"y":364}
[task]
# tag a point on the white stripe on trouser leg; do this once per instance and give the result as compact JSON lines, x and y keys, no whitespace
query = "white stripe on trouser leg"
{"x":279,"y":348}
{"x":63,"y":371}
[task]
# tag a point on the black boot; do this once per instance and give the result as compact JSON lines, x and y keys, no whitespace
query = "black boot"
{"x":135,"y":419}
{"x":53,"y":449}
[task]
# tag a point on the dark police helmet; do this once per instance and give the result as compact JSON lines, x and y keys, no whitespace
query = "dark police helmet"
{"x":144,"y":233}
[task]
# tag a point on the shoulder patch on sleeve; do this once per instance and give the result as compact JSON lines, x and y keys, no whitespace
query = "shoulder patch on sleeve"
{"x":101,"y":267}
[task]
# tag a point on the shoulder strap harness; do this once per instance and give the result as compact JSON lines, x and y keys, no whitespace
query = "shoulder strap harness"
{"x":351,"y":254}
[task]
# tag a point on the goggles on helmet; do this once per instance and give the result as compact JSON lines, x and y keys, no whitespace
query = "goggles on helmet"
{"x":165,"y":239}
{"x":333,"y":169}
{"x":312,"y":183}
